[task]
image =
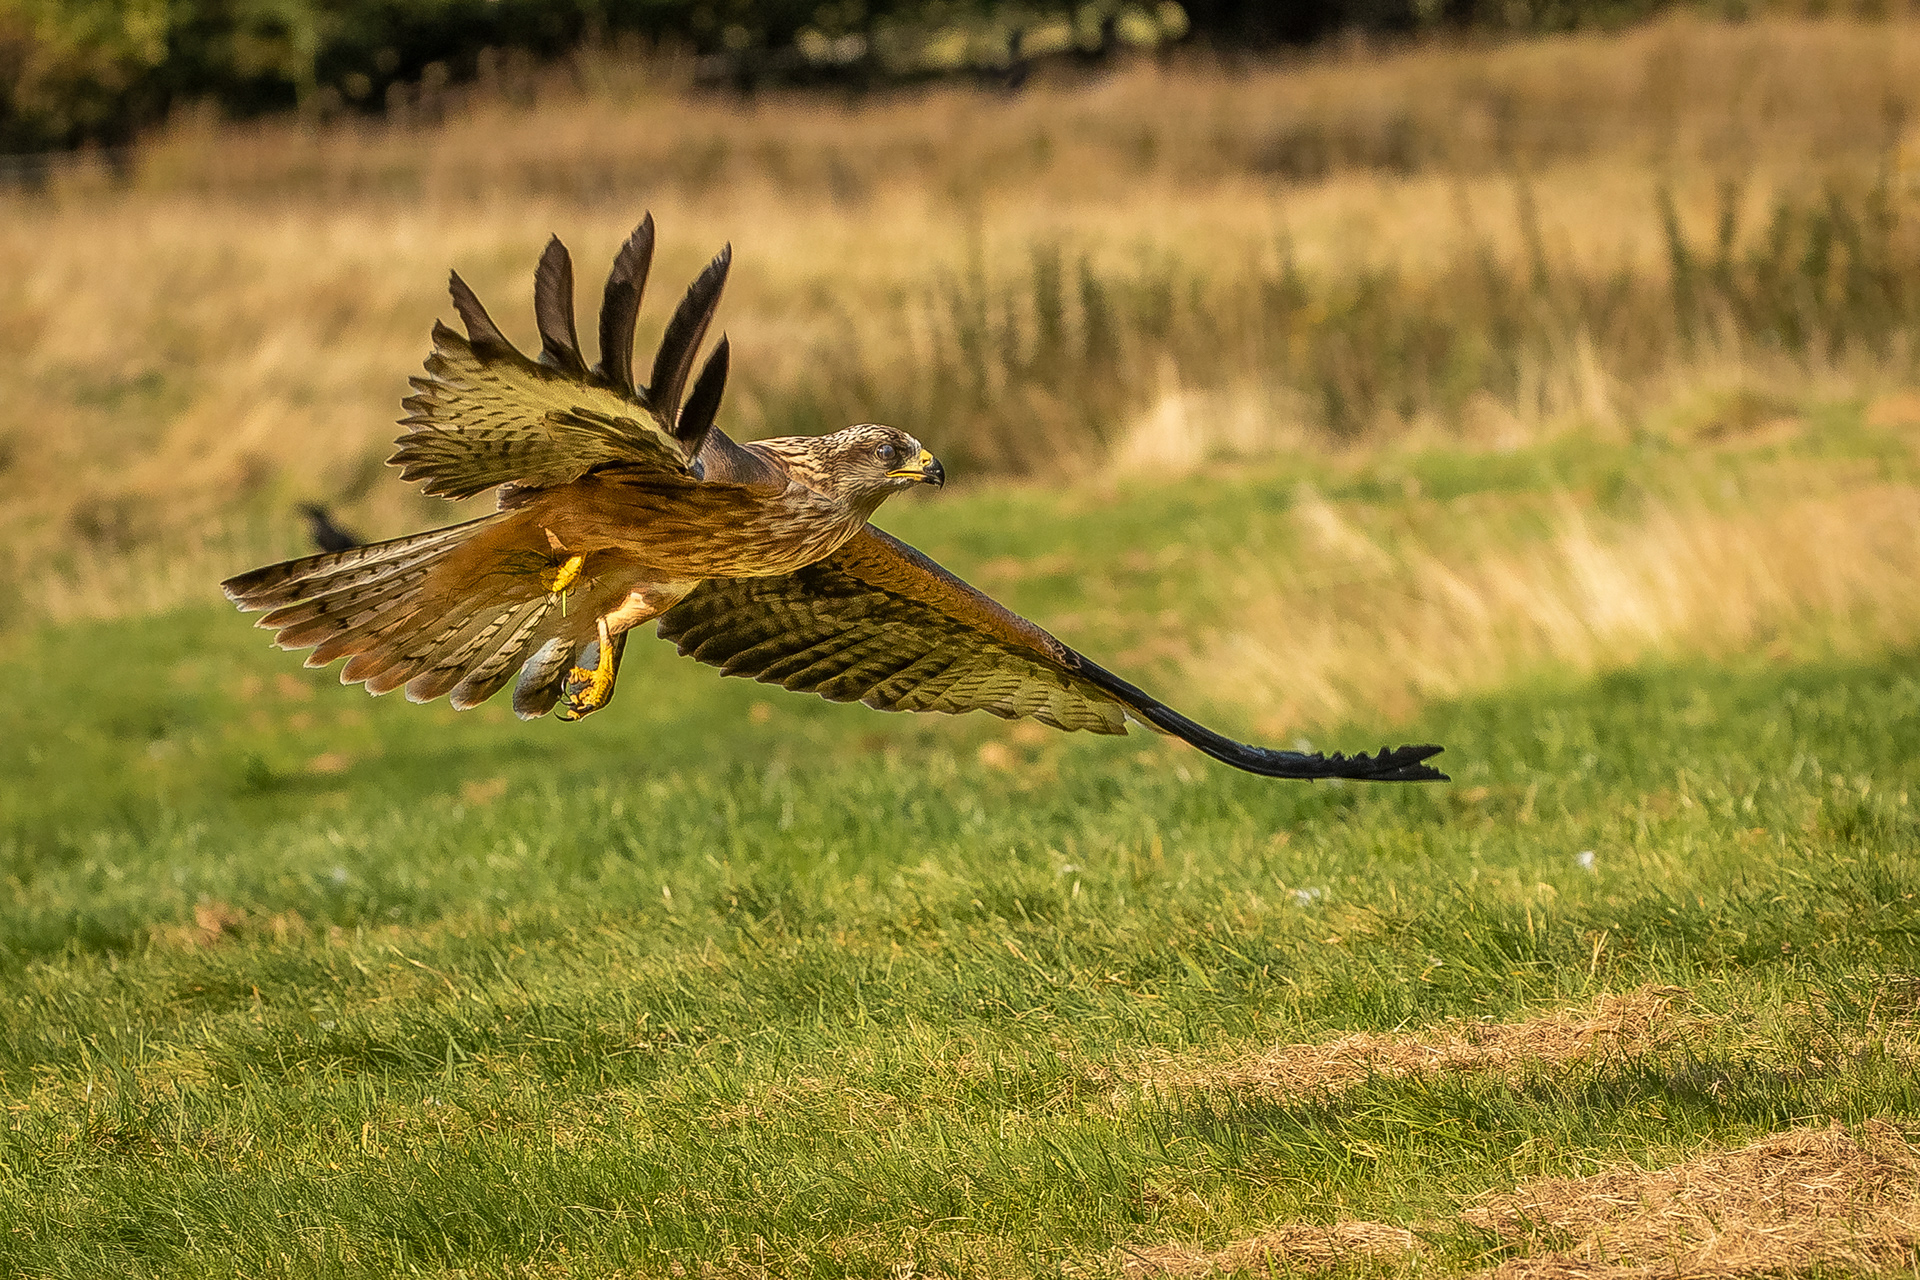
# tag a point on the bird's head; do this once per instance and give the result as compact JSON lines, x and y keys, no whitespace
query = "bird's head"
{"x":873,"y":462}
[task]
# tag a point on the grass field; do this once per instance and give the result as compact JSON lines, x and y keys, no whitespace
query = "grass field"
{"x":1555,"y":401}
{"x":727,"y":981}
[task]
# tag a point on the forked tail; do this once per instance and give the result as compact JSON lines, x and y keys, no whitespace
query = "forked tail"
{"x":377,"y":607}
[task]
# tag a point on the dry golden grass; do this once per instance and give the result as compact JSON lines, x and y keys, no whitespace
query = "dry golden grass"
{"x":1682,"y":94}
{"x":1816,"y":562}
{"x":1294,"y":1246}
{"x":1634,"y":1022}
{"x":1803,"y":1201}
{"x":1793,"y":1202}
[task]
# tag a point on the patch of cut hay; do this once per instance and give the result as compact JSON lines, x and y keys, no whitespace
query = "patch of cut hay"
{"x":1788,"y":1203}
{"x":1295,"y":1246}
{"x":1634,"y":1022}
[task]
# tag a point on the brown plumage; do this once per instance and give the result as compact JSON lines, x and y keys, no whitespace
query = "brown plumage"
{"x":622,"y":503}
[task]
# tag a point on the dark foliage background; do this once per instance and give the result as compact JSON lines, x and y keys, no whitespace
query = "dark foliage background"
{"x":79,"y":72}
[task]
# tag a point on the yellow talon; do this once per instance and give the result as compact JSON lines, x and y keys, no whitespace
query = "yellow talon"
{"x":597,"y":683}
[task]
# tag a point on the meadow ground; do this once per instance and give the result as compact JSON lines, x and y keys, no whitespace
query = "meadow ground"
{"x":1552,"y":401}
{"x":727,"y":980}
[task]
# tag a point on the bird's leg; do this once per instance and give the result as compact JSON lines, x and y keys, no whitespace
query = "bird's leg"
{"x":589,"y":689}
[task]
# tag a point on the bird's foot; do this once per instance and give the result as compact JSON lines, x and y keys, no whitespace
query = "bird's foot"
{"x":589,"y":689}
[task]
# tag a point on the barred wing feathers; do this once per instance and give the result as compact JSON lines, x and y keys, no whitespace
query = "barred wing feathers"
{"x":485,"y":415}
{"x":880,"y":623}
{"x":476,"y":423}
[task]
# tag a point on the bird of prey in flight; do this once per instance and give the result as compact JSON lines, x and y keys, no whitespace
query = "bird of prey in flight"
{"x":622,"y":503}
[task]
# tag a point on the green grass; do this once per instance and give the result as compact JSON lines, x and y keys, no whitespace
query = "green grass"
{"x":820,"y":990}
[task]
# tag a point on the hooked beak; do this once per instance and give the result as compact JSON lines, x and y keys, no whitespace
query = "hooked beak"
{"x":925,"y":469}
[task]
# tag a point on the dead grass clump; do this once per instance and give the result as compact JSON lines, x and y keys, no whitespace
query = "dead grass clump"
{"x":1793,"y":1201}
{"x":1294,"y":1246}
{"x":1631,"y":1023}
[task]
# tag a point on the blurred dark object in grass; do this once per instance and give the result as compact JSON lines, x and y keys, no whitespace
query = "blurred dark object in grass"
{"x":325,"y":533}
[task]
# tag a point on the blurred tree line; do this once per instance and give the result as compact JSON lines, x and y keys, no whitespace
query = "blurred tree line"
{"x":81,"y":72}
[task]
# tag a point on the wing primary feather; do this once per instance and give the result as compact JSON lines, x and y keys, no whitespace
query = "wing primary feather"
{"x":553,"y":309}
{"x":681,"y":341}
{"x":482,"y":332}
{"x":703,"y":402}
{"x":489,"y":674}
{"x":620,"y":306}
{"x":279,"y":585}
{"x":1400,"y":764}
{"x":950,"y":649}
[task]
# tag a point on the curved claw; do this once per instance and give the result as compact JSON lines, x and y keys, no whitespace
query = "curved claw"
{"x":589,"y":689}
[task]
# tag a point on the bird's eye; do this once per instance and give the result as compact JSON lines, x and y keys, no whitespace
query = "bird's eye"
{"x":888,"y":453}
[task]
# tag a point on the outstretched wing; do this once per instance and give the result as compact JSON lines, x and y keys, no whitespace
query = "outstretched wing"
{"x":485,"y":415}
{"x":878,"y":622}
